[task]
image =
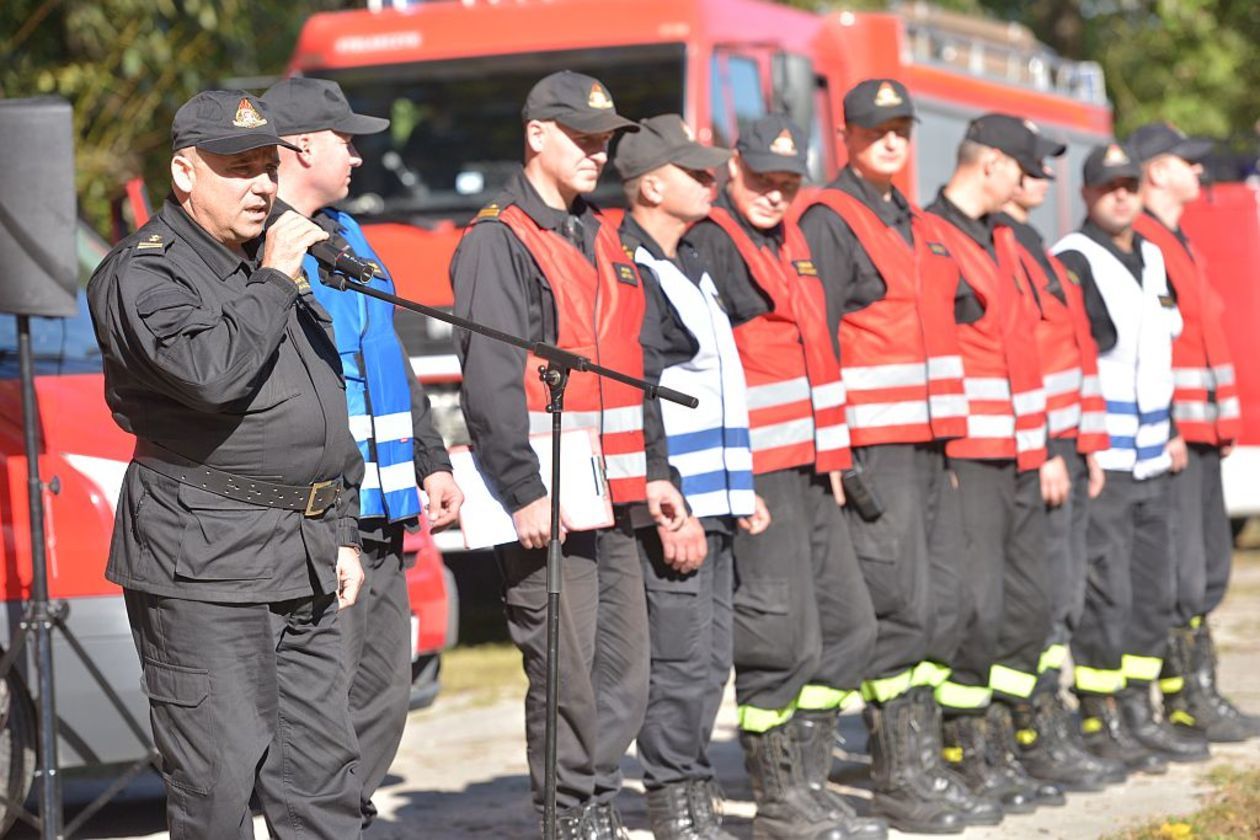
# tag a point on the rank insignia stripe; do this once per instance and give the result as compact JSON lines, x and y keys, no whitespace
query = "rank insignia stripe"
{"x":938,"y":249}
{"x":490,"y":211}
{"x":805,"y":268}
{"x":626,"y":274}
{"x":1167,"y":301}
{"x":1074,"y":277}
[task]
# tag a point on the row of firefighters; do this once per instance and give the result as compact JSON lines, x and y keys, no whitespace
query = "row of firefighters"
{"x":939,"y":468}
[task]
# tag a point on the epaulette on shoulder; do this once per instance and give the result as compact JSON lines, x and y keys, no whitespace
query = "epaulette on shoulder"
{"x":488,"y":213}
{"x":153,"y":243}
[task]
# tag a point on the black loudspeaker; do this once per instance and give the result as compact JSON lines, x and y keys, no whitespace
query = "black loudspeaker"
{"x":38,"y":261}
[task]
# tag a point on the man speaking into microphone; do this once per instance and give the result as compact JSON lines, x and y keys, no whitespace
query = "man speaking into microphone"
{"x":236,"y":538}
{"x":389,"y":412}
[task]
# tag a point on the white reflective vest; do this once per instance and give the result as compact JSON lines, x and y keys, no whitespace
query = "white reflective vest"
{"x":709,"y":444}
{"x":1136,"y":374}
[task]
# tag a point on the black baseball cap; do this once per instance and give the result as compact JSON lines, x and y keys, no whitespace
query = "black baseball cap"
{"x":301,"y":105}
{"x":774,"y":144}
{"x":1009,"y":135}
{"x":661,"y":140}
{"x":876,"y":101}
{"x":1043,"y":147}
{"x":1109,"y":162}
{"x":1161,"y":138}
{"x":224,"y":122}
{"x":576,"y":101}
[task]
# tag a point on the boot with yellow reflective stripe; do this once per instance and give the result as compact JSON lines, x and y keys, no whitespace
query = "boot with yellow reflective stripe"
{"x":1044,"y":751}
{"x":1003,"y":758}
{"x":1205,"y":666}
{"x":813,"y":734}
{"x":1192,"y":702}
{"x":785,"y":808}
{"x":1138,"y":710}
{"x":902,"y":790}
{"x":967,"y":751}
{"x":944,"y":784}
{"x":1068,"y":729}
{"x":1107,"y":736}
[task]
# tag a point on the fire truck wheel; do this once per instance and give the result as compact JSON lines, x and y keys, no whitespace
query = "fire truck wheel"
{"x":17,"y":747}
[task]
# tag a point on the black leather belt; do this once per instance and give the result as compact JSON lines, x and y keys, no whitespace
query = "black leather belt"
{"x":311,"y":499}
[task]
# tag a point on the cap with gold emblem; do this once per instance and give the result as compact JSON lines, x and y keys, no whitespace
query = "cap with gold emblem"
{"x":876,"y":101}
{"x":774,"y":144}
{"x":576,"y":101}
{"x":224,"y":122}
{"x":1108,"y":163}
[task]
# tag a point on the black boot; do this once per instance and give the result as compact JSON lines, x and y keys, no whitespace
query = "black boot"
{"x":1107,"y":735}
{"x":1046,"y":753}
{"x":704,"y":798}
{"x":946,"y":785}
{"x":967,"y":751}
{"x":903,"y":791}
{"x":785,"y":808}
{"x":1068,"y":729}
{"x":1186,"y":682}
{"x":607,"y":823}
{"x":669,"y":813}
{"x":1003,"y":757}
{"x":1206,"y":662}
{"x":575,"y":823}
{"x":1157,"y":736}
{"x":814,"y":735}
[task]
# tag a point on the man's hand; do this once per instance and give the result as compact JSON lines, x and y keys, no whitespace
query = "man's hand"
{"x":685,"y":548}
{"x":533,"y":523}
{"x":1097,"y":478}
{"x":666,"y":504}
{"x":837,"y":487}
{"x":1176,"y":450}
{"x":349,"y":575}
{"x":1055,"y":483}
{"x":759,"y":521}
{"x":445,"y":499}
{"x":287,"y":241}
{"x":1227,"y":448}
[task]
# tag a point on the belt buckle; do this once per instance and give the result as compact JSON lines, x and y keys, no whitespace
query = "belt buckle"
{"x":310,"y":499}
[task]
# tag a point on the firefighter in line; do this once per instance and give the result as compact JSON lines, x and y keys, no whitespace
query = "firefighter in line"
{"x":535,"y":263}
{"x":1119,"y":646}
{"x":389,"y":417}
{"x":804,"y":626}
{"x":1208,"y":422}
{"x":999,"y":469}
{"x":1050,"y":744}
{"x":890,"y":292}
{"x":689,"y":573}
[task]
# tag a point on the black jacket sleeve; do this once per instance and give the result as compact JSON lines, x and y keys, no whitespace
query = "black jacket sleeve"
{"x":740,"y":294}
{"x":651,"y":337}
{"x":1100,"y":323}
{"x":429,"y":450}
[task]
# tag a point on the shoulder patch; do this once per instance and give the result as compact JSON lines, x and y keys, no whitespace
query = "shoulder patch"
{"x":805,"y":268}
{"x":626,"y":274}
{"x":153,"y":242}
{"x":938,"y":249}
{"x":490,"y":211}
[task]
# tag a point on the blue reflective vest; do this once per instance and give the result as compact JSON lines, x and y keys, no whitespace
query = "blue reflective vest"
{"x":378,"y":393}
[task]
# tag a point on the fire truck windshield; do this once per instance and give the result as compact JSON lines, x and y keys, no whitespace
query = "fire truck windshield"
{"x":455,"y":138}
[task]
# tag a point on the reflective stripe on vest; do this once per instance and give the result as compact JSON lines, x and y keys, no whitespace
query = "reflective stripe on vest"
{"x":1205,"y":398}
{"x":598,"y":310}
{"x":1006,"y":421}
{"x":899,"y":355}
{"x":378,"y":383}
{"x":795,"y":394}
{"x":1068,"y":355}
{"x":1136,"y":374}
{"x":709,"y":444}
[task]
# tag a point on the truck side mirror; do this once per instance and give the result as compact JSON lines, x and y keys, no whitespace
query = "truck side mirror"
{"x":794,"y":84}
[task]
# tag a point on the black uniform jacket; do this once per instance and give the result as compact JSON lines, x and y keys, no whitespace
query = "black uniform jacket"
{"x":225,"y":364}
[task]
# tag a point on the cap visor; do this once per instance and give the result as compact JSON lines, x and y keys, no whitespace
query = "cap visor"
{"x":763,"y":162}
{"x":242,"y":143}
{"x":696,"y":156}
{"x":1032,"y":168}
{"x":357,"y":124}
{"x":1192,"y":150}
{"x":876,"y":120}
{"x":595,"y":123}
{"x":1050,"y":148}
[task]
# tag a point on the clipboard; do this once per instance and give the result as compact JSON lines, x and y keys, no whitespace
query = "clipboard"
{"x":584,"y":497}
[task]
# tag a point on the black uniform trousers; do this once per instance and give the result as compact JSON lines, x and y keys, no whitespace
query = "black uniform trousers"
{"x":1004,"y":524}
{"x":690,"y":620}
{"x":249,"y":698}
{"x":803,"y":615}
{"x":603,"y":657}
{"x":1202,"y":539}
{"x":1130,"y":586}
{"x":912,"y":482}
{"x":377,"y":636}
{"x":1066,"y":552}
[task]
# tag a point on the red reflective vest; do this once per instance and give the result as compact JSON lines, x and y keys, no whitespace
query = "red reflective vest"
{"x":1006,"y":401}
{"x":795,"y":394}
{"x":599,"y":310}
{"x":1205,"y":396}
{"x":902,"y":368}
{"x":1075,"y":407}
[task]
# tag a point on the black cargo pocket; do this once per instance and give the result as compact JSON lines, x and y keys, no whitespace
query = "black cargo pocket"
{"x":878,"y":546}
{"x":182,"y":726}
{"x":765,"y":632}
{"x":224,"y":539}
{"x":674,"y":617}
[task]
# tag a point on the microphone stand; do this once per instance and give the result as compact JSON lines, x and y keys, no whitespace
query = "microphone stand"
{"x":555,"y":375}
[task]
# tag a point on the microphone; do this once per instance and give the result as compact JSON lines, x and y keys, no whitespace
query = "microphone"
{"x":335,"y":254}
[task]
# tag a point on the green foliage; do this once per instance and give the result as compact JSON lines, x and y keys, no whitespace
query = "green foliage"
{"x":127,"y":65}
